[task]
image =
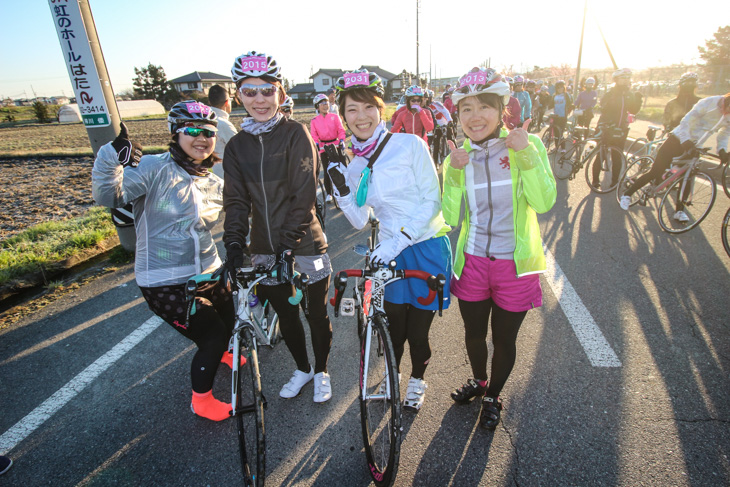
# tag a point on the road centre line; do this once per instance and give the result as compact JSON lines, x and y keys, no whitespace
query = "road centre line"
{"x":596,"y":346}
{"x":23,"y":428}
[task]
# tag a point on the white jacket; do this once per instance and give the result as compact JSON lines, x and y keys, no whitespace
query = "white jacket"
{"x":174,"y":213}
{"x":226,"y":130}
{"x":703,"y":116}
{"x":404,"y":190}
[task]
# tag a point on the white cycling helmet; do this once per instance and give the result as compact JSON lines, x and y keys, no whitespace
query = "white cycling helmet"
{"x":190,"y":112}
{"x":688,"y":77}
{"x":590,"y":81}
{"x":519,"y":79}
{"x":319,"y":99}
{"x":623,"y":73}
{"x":255,"y":65}
{"x":288,"y":103}
{"x":481,"y":80}
{"x":414,"y":90}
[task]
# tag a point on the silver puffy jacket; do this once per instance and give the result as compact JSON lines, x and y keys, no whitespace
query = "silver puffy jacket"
{"x":173,"y":214}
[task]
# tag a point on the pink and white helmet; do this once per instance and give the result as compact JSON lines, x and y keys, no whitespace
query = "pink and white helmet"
{"x":414,"y":90}
{"x":519,"y":79}
{"x":255,"y":65}
{"x":623,"y":73}
{"x":481,"y":80}
{"x":319,"y":99}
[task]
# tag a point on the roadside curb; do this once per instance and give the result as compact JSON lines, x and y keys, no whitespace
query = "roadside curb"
{"x":46,"y":274}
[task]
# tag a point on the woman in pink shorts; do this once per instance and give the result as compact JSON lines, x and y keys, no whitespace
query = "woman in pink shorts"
{"x":505,"y":178}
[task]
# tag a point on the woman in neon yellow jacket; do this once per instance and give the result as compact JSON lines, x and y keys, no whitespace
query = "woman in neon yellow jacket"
{"x":505,"y":179}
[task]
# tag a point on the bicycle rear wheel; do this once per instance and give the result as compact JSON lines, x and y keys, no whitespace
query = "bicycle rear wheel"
{"x":604,"y":167}
{"x":638,"y":148}
{"x":725,"y":231}
{"x":726,"y":180}
{"x":249,"y":412}
{"x":634,"y":170}
{"x":696,"y":203}
{"x":380,"y":407}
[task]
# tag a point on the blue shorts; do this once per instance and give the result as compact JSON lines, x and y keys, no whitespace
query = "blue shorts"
{"x":432,"y":256}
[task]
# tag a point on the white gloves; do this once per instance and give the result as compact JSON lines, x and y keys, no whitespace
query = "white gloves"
{"x":389,"y":249}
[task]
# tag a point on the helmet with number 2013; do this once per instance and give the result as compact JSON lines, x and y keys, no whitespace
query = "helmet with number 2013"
{"x":357,"y":80}
{"x":481,"y":80}
{"x":255,"y":65}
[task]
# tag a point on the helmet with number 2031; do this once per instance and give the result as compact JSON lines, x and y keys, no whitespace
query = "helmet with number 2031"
{"x":357,"y":80}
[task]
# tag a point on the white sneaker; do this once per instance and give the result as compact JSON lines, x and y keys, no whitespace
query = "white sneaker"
{"x":295,"y":384}
{"x":328,"y":199}
{"x":625,"y":202}
{"x":322,"y":387}
{"x":415,"y":394}
{"x":681,"y":217}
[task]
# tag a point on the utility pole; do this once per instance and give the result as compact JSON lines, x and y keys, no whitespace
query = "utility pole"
{"x":418,"y":72}
{"x":580,"y":52}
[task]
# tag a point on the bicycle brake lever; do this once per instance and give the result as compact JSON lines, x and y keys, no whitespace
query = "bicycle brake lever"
{"x":441,"y":282}
{"x":340,"y":286}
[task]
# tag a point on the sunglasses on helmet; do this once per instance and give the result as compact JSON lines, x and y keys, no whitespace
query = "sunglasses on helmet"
{"x":195,"y":131}
{"x":250,"y":91}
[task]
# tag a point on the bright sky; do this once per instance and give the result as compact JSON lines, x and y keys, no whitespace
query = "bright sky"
{"x":187,"y":35}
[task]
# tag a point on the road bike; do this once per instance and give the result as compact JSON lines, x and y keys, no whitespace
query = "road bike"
{"x":439,"y":147}
{"x":247,"y":396}
{"x":646,"y":146}
{"x":605,"y":162}
{"x":553,"y":136}
{"x":569,"y":160}
{"x":379,"y":387}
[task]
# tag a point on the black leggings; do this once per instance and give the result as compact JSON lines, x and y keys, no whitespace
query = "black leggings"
{"x":670,"y":149}
{"x":619,"y":143}
{"x":291,"y":325}
{"x":210,"y":327}
{"x":505,"y":326}
{"x":410,"y":323}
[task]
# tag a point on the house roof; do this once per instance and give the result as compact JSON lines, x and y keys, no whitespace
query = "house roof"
{"x":200,"y":76}
{"x":335,"y":73}
{"x":302,"y":88}
{"x":385,"y":75}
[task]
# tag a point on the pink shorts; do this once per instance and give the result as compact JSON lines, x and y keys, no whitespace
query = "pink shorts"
{"x":483,"y":278}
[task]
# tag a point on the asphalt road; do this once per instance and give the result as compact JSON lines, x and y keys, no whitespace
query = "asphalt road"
{"x":621,"y":378}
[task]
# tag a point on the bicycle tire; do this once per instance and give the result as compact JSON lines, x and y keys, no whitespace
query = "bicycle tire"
{"x":249,"y":414}
{"x":638,"y":148}
{"x":726,"y":180}
{"x":548,"y":140}
{"x":272,"y":319}
{"x":699,"y":198}
{"x":606,"y":182}
{"x":380,"y":413}
{"x":444,"y":149}
{"x":634,"y":170}
{"x":563,"y":168}
{"x":725,"y":232}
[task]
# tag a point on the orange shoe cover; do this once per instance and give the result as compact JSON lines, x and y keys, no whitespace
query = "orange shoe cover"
{"x":206,"y":406}
{"x":227,"y":359}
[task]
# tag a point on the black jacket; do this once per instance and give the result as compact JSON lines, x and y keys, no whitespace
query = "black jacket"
{"x":677,"y":108}
{"x":616,"y":104}
{"x":273,"y":176}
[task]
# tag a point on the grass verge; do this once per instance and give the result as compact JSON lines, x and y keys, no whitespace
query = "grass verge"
{"x":43,"y":246}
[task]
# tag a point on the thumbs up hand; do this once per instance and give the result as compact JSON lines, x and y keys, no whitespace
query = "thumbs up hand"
{"x":459,"y":157}
{"x":517,"y":137}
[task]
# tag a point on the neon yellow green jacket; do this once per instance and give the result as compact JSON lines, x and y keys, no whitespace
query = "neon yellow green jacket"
{"x":533,"y":191}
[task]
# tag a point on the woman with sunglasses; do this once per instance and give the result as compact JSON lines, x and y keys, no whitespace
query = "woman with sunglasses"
{"x":176,"y":202}
{"x":270,"y":172}
{"x":412,"y":118}
{"x":394,"y":175}
{"x":505,"y":179}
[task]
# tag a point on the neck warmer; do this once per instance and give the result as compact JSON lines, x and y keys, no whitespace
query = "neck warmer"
{"x":251,"y":126}
{"x":366,"y":148}
{"x":178,"y":155}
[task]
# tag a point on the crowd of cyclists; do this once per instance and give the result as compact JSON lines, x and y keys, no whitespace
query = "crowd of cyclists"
{"x":494,"y":185}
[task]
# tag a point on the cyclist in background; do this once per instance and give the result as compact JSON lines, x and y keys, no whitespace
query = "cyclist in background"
{"x":562,"y":104}
{"x":402,"y":188}
{"x":686,"y":99}
{"x":332,"y":98}
{"x":443,"y":117}
{"x":326,"y":128}
{"x":619,"y":105}
{"x":287,"y":107}
{"x":523,"y":97}
{"x":504,"y":179}
{"x":703,"y":117}
{"x":176,"y":202}
{"x":449,"y":104}
{"x":271,"y":172}
{"x":544,"y":101}
{"x":530,"y":87}
{"x":412,"y":118}
{"x":586,"y":100}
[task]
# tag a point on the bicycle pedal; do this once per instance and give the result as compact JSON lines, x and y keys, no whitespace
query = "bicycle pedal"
{"x":347,"y":307}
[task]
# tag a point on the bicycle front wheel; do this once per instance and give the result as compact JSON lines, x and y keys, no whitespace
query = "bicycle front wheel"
{"x":249,"y":414}
{"x":380,"y":407}
{"x":564,"y":164}
{"x":634,"y":170}
{"x":605,"y":165}
{"x":726,"y":180}
{"x":725,"y":230}
{"x":638,"y":148}
{"x":695,"y":201}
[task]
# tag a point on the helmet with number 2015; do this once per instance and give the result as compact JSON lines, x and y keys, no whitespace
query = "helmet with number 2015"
{"x":190,"y":111}
{"x":481,"y":80}
{"x":357,"y":80}
{"x":255,"y":65}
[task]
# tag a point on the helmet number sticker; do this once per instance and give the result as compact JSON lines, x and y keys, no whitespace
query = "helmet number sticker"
{"x":254,"y":63}
{"x":197,"y":108}
{"x":353,"y":79}
{"x":473,"y":79}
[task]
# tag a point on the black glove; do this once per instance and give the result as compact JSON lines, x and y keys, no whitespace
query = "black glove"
{"x":128,"y":153}
{"x":336,"y":161}
{"x":235,"y":259}
{"x":724,"y":156}
{"x":284,"y":265}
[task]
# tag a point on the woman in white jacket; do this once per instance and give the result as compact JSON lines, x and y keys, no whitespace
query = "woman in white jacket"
{"x":394,"y":175}
{"x":176,"y":202}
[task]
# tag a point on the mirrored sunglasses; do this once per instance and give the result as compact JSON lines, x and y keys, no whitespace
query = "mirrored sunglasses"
{"x":195,"y":131}
{"x":250,"y":91}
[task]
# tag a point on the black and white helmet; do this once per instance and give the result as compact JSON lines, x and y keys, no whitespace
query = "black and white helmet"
{"x":190,"y":111}
{"x":255,"y":65}
{"x":688,"y":77}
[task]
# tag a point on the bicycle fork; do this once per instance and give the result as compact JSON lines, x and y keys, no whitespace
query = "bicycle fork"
{"x":383,"y":392}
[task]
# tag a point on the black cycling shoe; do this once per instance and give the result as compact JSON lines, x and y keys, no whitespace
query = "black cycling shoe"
{"x":470,"y":390}
{"x":491,"y":412}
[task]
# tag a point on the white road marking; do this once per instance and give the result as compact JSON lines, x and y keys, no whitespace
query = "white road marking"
{"x":596,"y":346}
{"x":23,"y":428}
